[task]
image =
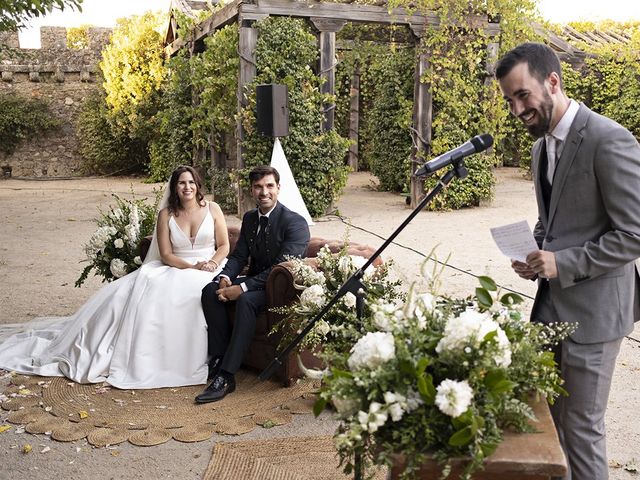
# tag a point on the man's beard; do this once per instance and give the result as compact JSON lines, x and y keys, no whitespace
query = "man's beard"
{"x":544,"y":117}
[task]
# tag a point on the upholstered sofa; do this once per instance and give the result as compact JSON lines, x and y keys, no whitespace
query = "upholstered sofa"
{"x":281,"y":291}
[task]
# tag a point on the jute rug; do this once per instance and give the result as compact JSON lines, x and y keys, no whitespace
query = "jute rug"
{"x":297,"y":458}
{"x":107,"y":416}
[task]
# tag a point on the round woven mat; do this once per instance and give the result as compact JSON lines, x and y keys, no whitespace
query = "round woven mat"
{"x":107,"y":415}
{"x":101,"y":437}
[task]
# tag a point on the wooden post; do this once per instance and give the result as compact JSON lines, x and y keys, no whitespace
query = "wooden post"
{"x":492,"y":31}
{"x":327,"y":40}
{"x":354,"y":118}
{"x":247,"y":51}
{"x":422,"y":115}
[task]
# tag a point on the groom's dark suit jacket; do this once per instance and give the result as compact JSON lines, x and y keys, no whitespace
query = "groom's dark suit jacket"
{"x":287,"y":235}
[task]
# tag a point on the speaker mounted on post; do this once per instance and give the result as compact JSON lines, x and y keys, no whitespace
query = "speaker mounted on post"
{"x":272,"y":110}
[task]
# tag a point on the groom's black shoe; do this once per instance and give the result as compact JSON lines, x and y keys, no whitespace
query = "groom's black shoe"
{"x":214,"y":368}
{"x":221,"y":386}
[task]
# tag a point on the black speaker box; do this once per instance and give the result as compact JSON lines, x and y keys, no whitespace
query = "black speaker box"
{"x":272,"y":110}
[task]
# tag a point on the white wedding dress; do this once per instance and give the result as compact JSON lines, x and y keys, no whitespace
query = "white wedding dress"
{"x":144,"y":330}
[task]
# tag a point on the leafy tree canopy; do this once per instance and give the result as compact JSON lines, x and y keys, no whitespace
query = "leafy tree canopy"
{"x":14,"y":14}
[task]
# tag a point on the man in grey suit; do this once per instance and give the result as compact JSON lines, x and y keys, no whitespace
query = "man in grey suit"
{"x":586,"y":171}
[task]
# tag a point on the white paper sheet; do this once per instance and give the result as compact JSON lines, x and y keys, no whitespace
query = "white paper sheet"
{"x":515,"y":240}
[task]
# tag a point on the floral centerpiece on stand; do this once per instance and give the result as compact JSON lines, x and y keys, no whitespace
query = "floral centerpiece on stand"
{"x":421,"y":374}
{"x":112,"y":250}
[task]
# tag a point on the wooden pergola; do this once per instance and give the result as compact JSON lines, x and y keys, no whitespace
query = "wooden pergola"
{"x":327,"y":19}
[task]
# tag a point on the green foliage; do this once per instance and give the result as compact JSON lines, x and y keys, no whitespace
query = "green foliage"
{"x":285,"y":50}
{"x":23,"y":118}
{"x":215,"y":77}
{"x":133,"y":70}
{"x":105,"y":148}
{"x":388,"y":121}
{"x":16,"y":13}
{"x":609,"y":82}
{"x":173,"y":144}
{"x":116,"y":127}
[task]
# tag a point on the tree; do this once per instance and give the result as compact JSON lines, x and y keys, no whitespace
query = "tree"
{"x":14,"y":14}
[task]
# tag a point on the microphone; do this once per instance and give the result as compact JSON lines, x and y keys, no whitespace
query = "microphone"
{"x":479,"y":143}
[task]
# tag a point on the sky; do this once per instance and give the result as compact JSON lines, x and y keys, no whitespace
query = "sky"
{"x":103,"y":13}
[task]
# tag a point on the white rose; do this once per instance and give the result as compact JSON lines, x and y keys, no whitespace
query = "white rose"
{"x":118,"y":243}
{"x":349,"y":300}
{"x":322,"y":327}
{"x":396,"y":411}
{"x":313,"y":296}
{"x":453,"y":398}
{"x":137,"y":260}
{"x":118,"y":268}
{"x":372,"y":350}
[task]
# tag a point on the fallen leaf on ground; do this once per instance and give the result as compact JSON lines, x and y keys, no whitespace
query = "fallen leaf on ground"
{"x":26,"y":448}
{"x":83,"y":414}
{"x":4,"y":428}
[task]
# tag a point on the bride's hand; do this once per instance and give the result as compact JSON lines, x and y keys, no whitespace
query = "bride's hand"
{"x":200,"y":266}
{"x":210,"y":266}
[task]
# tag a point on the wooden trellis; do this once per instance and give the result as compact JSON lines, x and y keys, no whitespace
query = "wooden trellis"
{"x":327,"y":19}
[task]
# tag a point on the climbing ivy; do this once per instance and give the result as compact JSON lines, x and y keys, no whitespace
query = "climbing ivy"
{"x":23,"y":118}
{"x":285,"y":51}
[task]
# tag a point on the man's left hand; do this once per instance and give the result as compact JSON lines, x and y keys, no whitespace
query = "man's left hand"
{"x":543,"y":263}
{"x":229,"y":293}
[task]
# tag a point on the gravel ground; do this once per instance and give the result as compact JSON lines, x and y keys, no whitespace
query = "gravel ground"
{"x":45,"y":223}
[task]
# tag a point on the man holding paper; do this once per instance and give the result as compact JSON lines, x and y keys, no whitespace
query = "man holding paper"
{"x":586,"y":171}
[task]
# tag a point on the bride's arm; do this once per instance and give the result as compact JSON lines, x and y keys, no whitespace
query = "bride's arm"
{"x":222,"y":236}
{"x":164,"y":243}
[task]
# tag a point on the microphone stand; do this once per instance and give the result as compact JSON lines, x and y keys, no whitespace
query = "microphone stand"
{"x":355,"y":286}
{"x":354,"y":283}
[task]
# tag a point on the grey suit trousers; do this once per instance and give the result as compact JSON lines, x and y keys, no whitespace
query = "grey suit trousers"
{"x":587,"y":370}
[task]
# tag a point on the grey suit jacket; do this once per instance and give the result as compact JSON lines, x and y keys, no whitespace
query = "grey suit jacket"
{"x":593,"y":226}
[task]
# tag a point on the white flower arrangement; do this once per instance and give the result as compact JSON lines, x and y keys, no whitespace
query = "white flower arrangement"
{"x":112,"y":250}
{"x":422,"y":374}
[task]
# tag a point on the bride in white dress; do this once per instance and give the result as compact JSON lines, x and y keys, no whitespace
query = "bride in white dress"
{"x":146,"y":329}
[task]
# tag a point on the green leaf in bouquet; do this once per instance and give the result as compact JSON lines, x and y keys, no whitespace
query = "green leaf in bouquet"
{"x":484,"y":298}
{"x":406,"y":367}
{"x":490,"y":336}
{"x":463,"y":420}
{"x":488,"y":283}
{"x":337,"y":373}
{"x":426,"y":389}
{"x":423,"y":363}
{"x":548,"y":359}
{"x":511,"y":299}
{"x":319,"y":406}
{"x":461,"y":437}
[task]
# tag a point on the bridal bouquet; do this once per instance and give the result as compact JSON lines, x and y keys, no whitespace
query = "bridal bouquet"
{"x":423,"y":374}
{"x":112,"y":250}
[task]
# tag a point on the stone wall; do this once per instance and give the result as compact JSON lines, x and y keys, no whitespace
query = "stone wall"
{"x":64,"y":78}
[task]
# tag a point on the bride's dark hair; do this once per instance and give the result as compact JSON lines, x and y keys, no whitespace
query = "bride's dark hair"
{"x":174,"y":201}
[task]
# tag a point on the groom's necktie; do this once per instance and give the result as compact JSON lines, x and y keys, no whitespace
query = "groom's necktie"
{"x":262,"y":231}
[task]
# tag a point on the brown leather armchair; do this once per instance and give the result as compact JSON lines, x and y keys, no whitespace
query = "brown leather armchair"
{"x":280,"y":291}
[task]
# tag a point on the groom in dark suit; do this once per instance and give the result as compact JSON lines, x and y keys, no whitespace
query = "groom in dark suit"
{"x":268,"y":234}
{"x":586,"y":171}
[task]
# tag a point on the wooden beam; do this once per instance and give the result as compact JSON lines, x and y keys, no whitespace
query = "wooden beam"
{"x":247,"y":52}
{"x":339,"y":11}
{"x":327,"y":43}
{"x":219,"y":19}
{"x":422,"y":117}
{"x":354,"y":118}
